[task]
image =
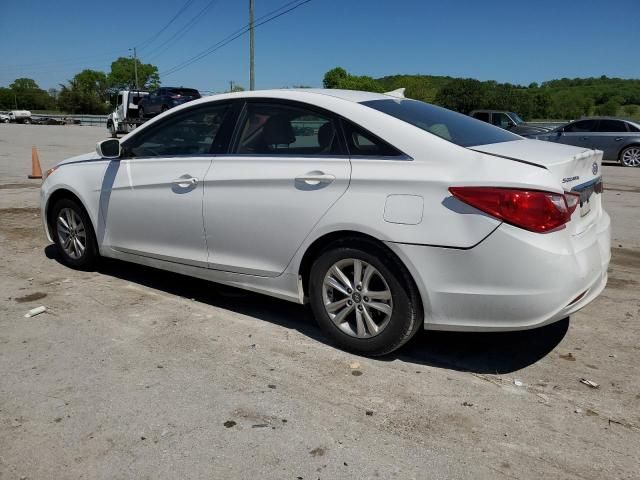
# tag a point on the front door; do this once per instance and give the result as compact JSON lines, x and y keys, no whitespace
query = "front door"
{"x":151,"y":200}
{"x":287,"y":169}
{"x":578,"y":133}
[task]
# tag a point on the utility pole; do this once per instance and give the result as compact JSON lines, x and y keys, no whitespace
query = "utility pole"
{"x":231,"y":85}
{"x":135,"y":65}
{"x":252,"y":76}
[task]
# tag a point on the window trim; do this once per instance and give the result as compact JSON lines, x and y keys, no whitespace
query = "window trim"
{"x":401,"y":155}
{"x":242,"y":116}
{"x":229,"y":120}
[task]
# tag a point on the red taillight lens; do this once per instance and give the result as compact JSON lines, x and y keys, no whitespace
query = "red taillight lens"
{"x":529,"y":209}
{"x":573,"y":200}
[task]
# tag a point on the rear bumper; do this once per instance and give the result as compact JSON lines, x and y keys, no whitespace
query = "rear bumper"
{"x":513,"y":280}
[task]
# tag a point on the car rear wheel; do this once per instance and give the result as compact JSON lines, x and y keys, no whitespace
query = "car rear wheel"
{"x":73,"y":234}
{"x":630,"y":156}
{"x":364,"y":300}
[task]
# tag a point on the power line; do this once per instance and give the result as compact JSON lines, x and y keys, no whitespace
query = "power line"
{"x":235,"y":35}
{"x":185,"y":29}
{"x":173,"y":19}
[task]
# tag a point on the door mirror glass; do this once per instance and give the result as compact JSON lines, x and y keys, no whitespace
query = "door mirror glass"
{"x":109,"y":148}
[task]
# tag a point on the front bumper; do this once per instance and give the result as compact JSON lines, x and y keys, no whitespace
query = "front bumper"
{"x":513,"y":280}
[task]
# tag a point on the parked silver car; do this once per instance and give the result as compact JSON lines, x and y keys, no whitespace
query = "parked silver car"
{"x":619,"y":139}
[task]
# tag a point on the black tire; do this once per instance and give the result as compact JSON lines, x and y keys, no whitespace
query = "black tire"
{"x":89,"y":257}
{"x":407,"y":314}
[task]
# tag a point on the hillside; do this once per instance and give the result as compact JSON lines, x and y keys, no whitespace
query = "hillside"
{"x":555,"y":99}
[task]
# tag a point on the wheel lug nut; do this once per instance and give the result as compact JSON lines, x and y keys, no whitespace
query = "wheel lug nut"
{"x":349,"y":290}
{"x":349,"y":302}
{"x":366,"y":299}
{"x":359,"y":307}
{"x":359,"y":287}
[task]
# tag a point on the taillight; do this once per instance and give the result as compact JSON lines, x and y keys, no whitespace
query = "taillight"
{"x":529,"y":209}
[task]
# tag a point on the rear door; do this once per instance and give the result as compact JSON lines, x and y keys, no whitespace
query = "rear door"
{"x":609,"y":136}
{"x":287,"y":167}
{"x":151,"y":199}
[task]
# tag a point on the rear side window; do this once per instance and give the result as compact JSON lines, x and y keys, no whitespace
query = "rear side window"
{"x":581,"y":126}
{"x":632,"y":128}
{"x":362,"y":143}
{"x":484,"y":116}
{"x":455,"y":127}
{"x":186,"y":92}
{"x":611,"y":126}
{"x":278,"y":129}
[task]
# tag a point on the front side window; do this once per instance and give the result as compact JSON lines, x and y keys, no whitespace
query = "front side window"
{"x":187,"y":133}
{"x":611,"y":126}
{"x":581,"y":126}
{"x":278,"y":129}
{"x":455,"y":127}
{"x":501,"y":120}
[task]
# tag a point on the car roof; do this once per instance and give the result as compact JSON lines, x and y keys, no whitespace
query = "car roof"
{"x":355,"y":96}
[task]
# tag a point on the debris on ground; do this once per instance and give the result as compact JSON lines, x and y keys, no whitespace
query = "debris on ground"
{"x":354,"y":365}
{"x":369,"y":413}
{"x":356,"y":373}
{"x":589,"y":383}
{"x":578,"y":410}
{"x":229,"y":423}
{"x":35,"y":311}
{"x":569,"y":356}
{"x":518,"y":383}
{"x":467,"y":404}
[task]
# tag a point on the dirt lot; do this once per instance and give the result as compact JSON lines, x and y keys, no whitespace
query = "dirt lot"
{"x":136,"y":373}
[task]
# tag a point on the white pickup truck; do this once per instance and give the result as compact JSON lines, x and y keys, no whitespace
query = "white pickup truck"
{"x":125,"y":117}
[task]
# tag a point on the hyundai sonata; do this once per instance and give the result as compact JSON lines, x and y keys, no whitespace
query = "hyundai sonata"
{"x":386,"y":214}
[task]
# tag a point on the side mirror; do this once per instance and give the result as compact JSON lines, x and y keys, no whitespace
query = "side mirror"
{"x":509,"y":125}
{"x":560,"y":132}
{"x":109,"y":149}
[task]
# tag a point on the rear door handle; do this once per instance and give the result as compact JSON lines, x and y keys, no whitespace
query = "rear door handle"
{"x":315,"y":178}
{"x":185,"y":181}
{"x":619,"y":138}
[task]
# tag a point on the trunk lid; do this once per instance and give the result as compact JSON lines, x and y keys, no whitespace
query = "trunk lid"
{"x":577,"y":169}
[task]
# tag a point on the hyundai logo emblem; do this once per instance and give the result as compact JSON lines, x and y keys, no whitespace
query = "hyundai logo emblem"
{"x":594,"y":168}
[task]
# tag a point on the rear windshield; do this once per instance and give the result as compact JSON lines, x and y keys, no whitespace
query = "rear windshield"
{"x":455,"y":127}
{"x":187,"y":92}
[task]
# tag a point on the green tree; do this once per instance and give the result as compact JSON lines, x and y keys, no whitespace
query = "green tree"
{"x":27,"y":94}
{"x":334,"y":77}
{"x":122,"y":74}
{"x":630,"y":110}
{"x":87,"y":92}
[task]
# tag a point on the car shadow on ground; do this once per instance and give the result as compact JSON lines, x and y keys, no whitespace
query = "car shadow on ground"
{"x":493,"y":353}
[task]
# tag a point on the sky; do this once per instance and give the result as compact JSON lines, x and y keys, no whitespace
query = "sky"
{"x":508,"y":41}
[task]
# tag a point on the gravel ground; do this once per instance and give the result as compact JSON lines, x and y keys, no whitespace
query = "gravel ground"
{"x":137,"y":373}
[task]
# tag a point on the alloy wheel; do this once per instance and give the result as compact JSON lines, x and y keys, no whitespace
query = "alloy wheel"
{"x":631,"y":157}
{"x":72,"y":235}
{"x":357,"y":298}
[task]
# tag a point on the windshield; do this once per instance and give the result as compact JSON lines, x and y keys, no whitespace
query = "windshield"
{"x":455,"y":127}
{"x":516,"y":118}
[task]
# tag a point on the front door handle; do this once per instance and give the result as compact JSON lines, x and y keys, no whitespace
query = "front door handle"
{"x":585,"y":138}
{"x":619,"y":139}
{"x":316,"y":178}
{"x":185,"y":181}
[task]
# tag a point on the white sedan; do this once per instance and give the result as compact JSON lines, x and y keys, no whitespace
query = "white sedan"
{"x":387,"y":214}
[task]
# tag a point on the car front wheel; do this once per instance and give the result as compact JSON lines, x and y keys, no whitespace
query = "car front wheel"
{"x":364,"y":299}
{"x":630,"y":156}
{"x":73,"y":234}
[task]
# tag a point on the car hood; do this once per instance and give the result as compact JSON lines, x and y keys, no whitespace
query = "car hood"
{"x":85,"y":157}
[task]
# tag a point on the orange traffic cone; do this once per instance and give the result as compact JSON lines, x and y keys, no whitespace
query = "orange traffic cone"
{"x":36,"y":171}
